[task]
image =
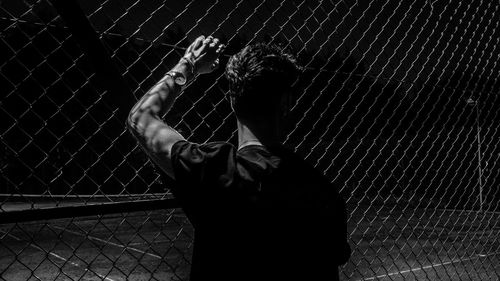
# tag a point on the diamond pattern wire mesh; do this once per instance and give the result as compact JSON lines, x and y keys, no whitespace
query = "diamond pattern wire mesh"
{"x":397,"y":105}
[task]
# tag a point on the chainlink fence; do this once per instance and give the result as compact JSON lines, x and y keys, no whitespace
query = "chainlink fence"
{"x":397,"y":105}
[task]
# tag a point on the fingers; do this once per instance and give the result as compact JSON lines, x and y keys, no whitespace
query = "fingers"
{"x":215,"y":64}
{"x":220,"y":49}
{"x":208,"y":40}
{"x":197,"y":41}
{"x":214,"y":42}
{"x":196,"y":44}
{"x":204,"y":53}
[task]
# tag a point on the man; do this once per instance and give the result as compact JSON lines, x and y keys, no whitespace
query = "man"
{"x":259,"y":211}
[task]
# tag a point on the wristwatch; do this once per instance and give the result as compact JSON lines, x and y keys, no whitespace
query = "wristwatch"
{"x":178,"y":77}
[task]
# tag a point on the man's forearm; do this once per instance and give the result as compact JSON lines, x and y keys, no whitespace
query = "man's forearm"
{"x":159,"y":99}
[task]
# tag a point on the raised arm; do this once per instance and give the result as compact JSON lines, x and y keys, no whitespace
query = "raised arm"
{"x":155,"y":136}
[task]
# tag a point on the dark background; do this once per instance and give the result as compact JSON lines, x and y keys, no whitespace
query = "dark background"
{"x":381,"y":106}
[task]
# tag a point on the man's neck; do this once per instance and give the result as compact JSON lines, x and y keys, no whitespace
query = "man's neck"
{"x":247,"y":137}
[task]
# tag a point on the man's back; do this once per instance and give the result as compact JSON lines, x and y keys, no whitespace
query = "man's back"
{"x":259,"y":214}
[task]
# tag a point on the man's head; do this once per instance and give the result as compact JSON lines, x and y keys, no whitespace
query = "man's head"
{"x":260,"y":78}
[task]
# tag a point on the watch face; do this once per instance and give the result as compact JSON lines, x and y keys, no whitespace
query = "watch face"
{"x":179,"y":79}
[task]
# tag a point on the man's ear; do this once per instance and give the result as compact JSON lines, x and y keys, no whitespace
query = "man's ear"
{"x":231,"y":102}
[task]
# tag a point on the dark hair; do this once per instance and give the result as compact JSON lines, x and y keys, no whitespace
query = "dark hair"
{"x":258,"y":76}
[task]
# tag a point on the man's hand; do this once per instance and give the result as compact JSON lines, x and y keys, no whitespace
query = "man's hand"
{"x":203,"y":54}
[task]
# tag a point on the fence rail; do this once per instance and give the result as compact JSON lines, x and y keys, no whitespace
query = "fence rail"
{"x":397,"y":106}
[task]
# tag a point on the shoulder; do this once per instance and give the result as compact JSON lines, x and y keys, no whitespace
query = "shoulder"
{"x":194,"y":162}
{"x":208,"y":170}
